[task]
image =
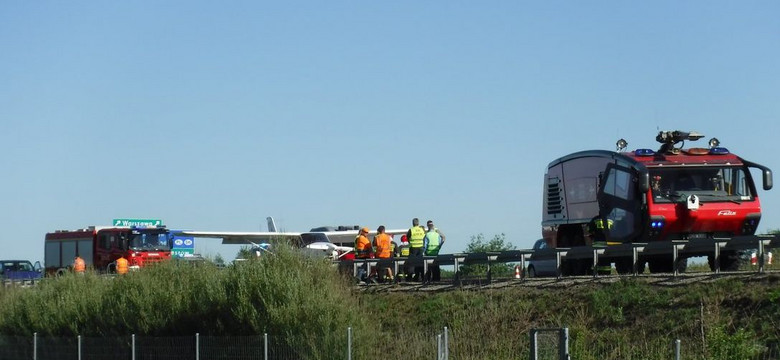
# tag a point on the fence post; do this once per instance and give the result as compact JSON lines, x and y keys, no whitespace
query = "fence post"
{"x":534,"y":355}
{"x":132,"y":348}
{"x":563,"y":344}
{"x":35,"y":346}
{"x":265,"y":346}
{"x":349,"y":343}
{"x":438,"y":347}
{"x":446,"y":345}
{"x":197,"y":346}
{"x":79,"y":346}
{"x":677,"y":349}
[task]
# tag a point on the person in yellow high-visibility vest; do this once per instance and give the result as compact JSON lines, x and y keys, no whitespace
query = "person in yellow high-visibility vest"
{"x":121,"y":266}
{"x":432,"y":244}
{"x":416,"y":236}
{"x":599,"y":239}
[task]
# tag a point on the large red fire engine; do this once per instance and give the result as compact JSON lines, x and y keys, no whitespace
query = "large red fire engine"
{"x":645,"y":195}
{"x":101,"y":246}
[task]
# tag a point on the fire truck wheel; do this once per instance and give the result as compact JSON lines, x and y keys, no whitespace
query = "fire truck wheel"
{"x":660,"y":265}
{"x":624,"y":266}
{"x":531,"y":272}
{"x":729,"y":261}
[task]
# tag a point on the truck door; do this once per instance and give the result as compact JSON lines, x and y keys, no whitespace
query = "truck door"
{"x":620,"y":204}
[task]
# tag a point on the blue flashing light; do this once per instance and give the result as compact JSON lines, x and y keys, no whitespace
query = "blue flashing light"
{"x":657,"y":224}
{"x":644,"y":152}
{"x":719,"y":151}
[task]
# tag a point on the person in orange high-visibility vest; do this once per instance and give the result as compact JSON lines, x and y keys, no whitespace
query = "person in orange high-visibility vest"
{"x":121,"y":266}
{"x":363,"y":250}
{"x":383,"y":246}
{"x":78,"y":265}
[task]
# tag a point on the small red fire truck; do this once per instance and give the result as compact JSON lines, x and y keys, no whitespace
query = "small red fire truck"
{"x":673,"y":193}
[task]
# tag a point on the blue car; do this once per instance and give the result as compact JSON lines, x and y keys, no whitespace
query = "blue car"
{"x":20,"y":271}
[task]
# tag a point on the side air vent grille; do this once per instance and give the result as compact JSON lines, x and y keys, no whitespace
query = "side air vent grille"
{"x":554,"y":200}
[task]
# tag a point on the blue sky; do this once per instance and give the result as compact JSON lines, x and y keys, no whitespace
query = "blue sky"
{"x":214,"y":115}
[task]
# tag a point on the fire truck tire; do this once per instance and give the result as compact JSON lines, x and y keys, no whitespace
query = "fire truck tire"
{"x":531,"y":272}
{"x":729,"y":261}
{"x":578,"y":267}
{"x":659,"y":265}
{"x":624,"y":266}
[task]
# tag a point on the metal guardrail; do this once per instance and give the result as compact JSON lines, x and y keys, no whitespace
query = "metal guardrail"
{"x":675,"y":249}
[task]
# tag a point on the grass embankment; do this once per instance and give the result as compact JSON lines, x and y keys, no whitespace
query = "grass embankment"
{"x":304,"y":303}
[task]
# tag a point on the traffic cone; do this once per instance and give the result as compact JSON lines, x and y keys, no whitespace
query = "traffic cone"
{"x":517,"y":271}
{"x":753,"y":259}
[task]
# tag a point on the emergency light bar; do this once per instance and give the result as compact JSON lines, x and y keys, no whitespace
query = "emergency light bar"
{"x":644,"y":152}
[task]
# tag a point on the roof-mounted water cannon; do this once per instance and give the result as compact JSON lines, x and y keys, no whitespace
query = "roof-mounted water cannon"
{"x":669,"y":139}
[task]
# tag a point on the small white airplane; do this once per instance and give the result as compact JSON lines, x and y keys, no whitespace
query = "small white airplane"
{"x":331,"y":242}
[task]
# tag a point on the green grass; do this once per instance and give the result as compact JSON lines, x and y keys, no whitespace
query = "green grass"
{"x":305,"y":304}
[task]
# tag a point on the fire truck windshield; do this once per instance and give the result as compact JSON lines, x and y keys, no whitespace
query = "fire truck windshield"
{"x":710,"y":184}
{"x":148,"y":241}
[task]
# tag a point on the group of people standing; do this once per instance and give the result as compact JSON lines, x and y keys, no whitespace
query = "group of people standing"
{"x":417,"y":241}
{"x":80,"y":267}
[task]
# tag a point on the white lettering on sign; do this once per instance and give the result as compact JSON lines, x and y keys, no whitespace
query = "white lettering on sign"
{"x":727,"y":213}
{"x":137,"y":222}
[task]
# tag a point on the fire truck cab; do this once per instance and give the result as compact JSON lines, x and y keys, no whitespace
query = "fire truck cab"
{"x":672,"y":193}
{"x":100,"y":247}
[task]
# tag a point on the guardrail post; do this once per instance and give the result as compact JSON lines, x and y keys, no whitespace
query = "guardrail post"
{"x":197,"y":346}
{"x":677,"y":349}
{"x":349,"y":343}
{"x":534,"y":355}
{"x":635,"y":260}
{"x":595,"y":263}
{"x":132,"y":347}
{"x":79,"y":346}
{"x":35,"y":346}
{"x":716,"y":259}
{"x":675,"y":253}
{"x":265,"y":346}
{"x":523,"y":267}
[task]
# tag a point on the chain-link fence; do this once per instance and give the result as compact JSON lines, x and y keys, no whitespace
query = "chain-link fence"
{"x":542,"y":344}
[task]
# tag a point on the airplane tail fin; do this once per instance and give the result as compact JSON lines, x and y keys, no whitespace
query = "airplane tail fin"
{"x":271,"y":224}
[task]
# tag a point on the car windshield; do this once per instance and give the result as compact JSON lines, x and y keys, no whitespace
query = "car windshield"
{"x":148,"y":241}
{"x":17,"y":266}
{"x":710,"y":184}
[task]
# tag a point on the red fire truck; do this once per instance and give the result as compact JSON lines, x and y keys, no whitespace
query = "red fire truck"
{"x":672,"y":193}
{"x":100,"y":246}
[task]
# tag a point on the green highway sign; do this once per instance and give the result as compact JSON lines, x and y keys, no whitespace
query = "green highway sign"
{"x":137,"y":222}
{"x":182,"y":252}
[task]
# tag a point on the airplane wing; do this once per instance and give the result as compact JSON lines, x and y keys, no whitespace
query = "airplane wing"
{"x":241,"y":238}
